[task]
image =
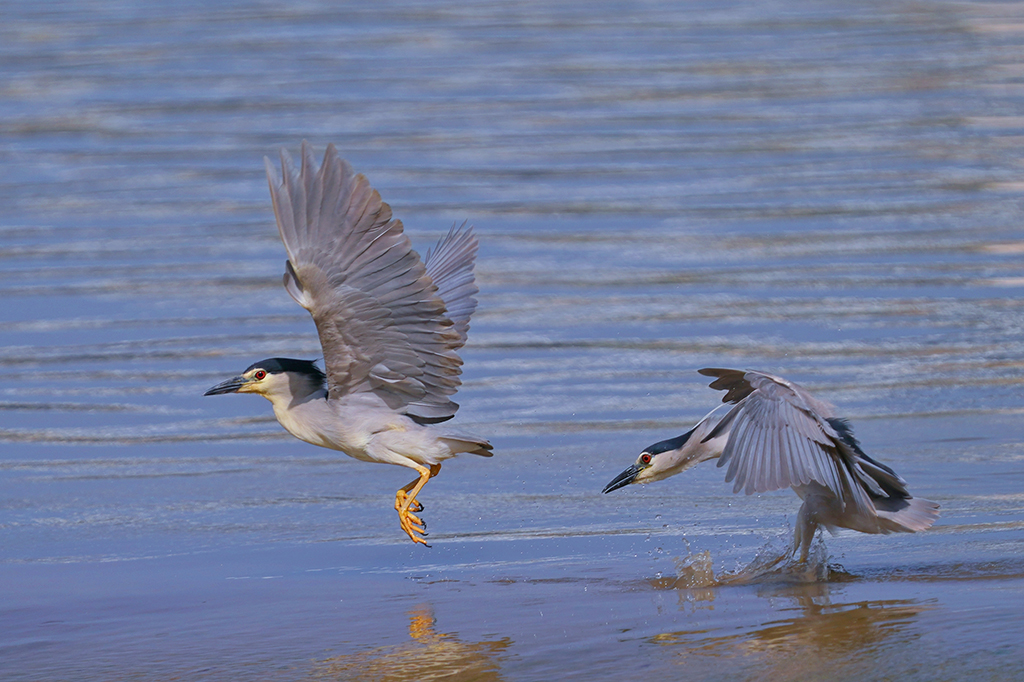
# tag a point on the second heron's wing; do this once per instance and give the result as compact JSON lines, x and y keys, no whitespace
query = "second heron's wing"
{"x":381,"y":322}
{"x":781,"y":436}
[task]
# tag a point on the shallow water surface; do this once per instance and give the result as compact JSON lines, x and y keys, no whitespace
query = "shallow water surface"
{"x":824,"y":191}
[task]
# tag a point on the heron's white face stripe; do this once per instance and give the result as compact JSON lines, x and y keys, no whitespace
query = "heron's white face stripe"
{"x":645,"y":464}
{"x":266,"y":384}
{"x":255,"y":380}
{"x":671,"y":462}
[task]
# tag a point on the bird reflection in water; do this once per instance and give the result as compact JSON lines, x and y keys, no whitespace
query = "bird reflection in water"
{"x":429,"y":655}
{"x":813,"y":639}
{"x":810,"y":638}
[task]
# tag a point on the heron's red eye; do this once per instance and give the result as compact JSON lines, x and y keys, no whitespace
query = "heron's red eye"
{"x":645,"y":458}
{"x":260,"y":375}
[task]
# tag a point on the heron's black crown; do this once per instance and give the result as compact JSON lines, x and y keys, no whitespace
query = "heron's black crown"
{"x":670,"y":444}
{"x":278,"y":365}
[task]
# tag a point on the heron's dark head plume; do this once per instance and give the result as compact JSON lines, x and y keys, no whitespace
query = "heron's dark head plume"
{"x":305,"y":368}
{"x":277,"y":379}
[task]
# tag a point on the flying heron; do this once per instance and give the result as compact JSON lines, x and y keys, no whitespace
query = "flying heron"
{"x":390,"y":326}
{"x":777,"y":435}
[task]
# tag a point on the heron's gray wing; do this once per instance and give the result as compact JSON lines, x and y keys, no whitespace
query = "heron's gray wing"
{"x":450,"y":266}
{"x":381,"y":322}
{"x":779,"y":436}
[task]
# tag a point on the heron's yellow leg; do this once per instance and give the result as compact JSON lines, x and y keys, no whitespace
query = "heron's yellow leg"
{"x":403,"y":494}
{"x":406,"y":503}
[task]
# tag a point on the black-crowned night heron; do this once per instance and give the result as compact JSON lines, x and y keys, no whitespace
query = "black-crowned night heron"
{"x":777,"y":435}
{"x":389,"y":324}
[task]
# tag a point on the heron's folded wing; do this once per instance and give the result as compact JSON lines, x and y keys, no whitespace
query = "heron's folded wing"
{"x":381,"y":322}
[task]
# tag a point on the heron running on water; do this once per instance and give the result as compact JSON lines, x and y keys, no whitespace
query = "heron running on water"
{"x":390,"y":326}
{"x":777,"y":435}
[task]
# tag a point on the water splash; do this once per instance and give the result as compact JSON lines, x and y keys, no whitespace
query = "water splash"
{"x":773,"y":563}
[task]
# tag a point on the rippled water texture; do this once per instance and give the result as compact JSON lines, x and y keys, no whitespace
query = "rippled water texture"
{"x":828,"y":191}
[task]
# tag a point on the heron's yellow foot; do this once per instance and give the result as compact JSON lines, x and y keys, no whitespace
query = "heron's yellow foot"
{"x":413,"y":526}
{"x":406,"y":504}
{"x":401,"y":496}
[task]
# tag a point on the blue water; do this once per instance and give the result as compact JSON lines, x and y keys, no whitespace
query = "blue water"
{"x":826,"y":191}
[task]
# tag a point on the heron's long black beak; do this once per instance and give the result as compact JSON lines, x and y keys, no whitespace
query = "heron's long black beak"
{"x":623,"y":479}
{"x":230,"y":386}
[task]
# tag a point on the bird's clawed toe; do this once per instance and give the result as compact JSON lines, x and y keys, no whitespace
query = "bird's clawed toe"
{"x":414,"y":526}
{"x":407,"y":505}
{"x":416,"y":523}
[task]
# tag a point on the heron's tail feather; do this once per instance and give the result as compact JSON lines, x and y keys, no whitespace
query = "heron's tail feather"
{"x":470,"y":444}
{"x":907,"y":515}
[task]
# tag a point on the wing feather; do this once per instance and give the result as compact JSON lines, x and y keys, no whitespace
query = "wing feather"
{"x":450,"y":266}
{"x":772,"y":479}
{"x":781,"y":443}
{"x":755,"y":454}
{"x":737,"y":443}
{"x":379,"y":313}
{"x":780,"y":437}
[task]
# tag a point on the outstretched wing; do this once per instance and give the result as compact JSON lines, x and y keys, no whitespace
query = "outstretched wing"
{"x":781,"y":436}
{"x":382,"y":324}
{"x":450,"y":267}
